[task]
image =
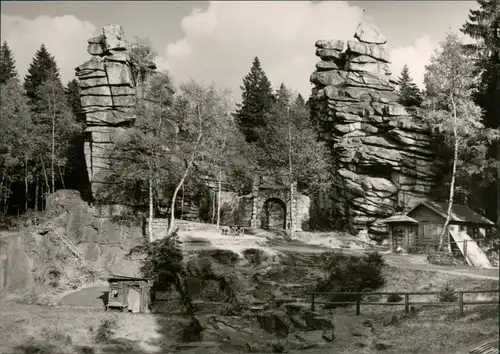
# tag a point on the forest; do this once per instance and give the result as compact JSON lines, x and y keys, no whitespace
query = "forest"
{"x":191,"y":140}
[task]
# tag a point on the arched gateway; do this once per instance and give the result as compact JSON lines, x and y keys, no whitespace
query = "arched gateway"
{"x":271,"y":207}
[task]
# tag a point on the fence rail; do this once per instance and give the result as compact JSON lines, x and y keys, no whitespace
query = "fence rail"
{"x":406,"y":303}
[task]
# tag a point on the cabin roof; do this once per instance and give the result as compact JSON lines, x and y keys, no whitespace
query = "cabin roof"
{"x":399,"y":219}
{"x":459,"y":213}
{"x":273,"y":186}
{"x":123,"y":277}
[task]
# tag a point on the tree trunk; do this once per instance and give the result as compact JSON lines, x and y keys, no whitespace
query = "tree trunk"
{"x":61,"y":176}
{"x":498,"y":189}
{"x":290,"y":167}
{"x":219,"y":192}
{"x":181,"y":182}
{"x":45,"y":174}
{"x":213,"y":206}
{"x":7,"y":197}
{"x":182,"y":203}
{"x":1,"y":187}
{"x":26,"y":187}
{"x":150,"y":221}
{"x":36,"y":195}
{"x":53,"y":153}
{"x":452,"y":184}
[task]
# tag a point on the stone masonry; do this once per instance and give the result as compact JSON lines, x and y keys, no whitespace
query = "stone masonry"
{"x":384,"y":155}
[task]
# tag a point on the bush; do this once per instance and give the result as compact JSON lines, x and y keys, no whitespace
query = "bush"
{"x":349,"y":273}
{"x":394,"y":298}
{"x":447,"y":294}
{"x":104,"y":331}
{"x":221,"y":256}
{"x":254,"y":256}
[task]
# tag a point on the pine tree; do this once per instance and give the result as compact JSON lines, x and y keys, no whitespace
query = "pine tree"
{"x":283,"y":96}
{"x":408,"y":90}
{"x":42,"y":68}
{"x":7,"y":64}
{"x":257,"y":100}
{"x":484,"y":27}
{"x":73,"y":99}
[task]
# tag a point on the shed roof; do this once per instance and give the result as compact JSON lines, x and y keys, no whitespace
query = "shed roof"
{"x":123,"y":277}
{"x":399,"y":219}
{"x":459,"y":213}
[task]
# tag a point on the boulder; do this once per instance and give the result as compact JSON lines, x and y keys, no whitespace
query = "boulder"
{"x":368,"y":33}
{"x":276,"y":322}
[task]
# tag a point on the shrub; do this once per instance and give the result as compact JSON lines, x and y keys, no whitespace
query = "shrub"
{"x":254,"y":256}
{"x":104,"y":331}
{"x":221,"y":256}
{"x":447,"y":294}
{"x":394,"y":298}
{"x":349,"y":273}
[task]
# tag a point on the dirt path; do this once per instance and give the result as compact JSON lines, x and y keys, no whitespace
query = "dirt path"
{"x":87,"y":297}
{"x":400,"y":261}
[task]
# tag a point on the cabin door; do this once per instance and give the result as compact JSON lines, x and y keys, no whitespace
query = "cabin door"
{"x":134,"y":299}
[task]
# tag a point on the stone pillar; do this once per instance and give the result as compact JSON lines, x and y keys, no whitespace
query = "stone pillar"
{"x":254,"y":221}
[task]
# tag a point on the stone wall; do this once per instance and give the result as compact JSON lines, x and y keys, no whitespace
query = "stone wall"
{"x":384,"y":155}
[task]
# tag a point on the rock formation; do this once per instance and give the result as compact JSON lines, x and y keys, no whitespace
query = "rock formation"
{"x":108,"y":92}
{"x":383,"y":155}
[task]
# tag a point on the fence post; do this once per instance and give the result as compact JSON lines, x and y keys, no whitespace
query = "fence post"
{"x":358,"y":305}
{"x":407,"y":303}
{"x":461,"y":302}
{"x":312,"y":302}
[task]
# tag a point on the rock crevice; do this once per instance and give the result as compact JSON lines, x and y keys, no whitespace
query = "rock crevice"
{"x":384,"y":155}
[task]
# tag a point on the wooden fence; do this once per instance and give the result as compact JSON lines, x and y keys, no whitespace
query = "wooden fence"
{"x":406,"y":303}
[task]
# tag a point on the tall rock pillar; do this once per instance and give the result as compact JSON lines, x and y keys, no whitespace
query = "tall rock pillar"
{"x":383,"y":154}
{"x":107,"y":92}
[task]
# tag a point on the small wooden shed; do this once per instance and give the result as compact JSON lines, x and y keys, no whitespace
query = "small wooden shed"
{"x":432,"y":215}
{"x":129,"y":294}
{"x":402,"y":232}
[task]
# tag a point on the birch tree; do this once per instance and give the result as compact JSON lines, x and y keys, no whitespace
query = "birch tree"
{"x":197,"y":111}
{"x":449,"y":84}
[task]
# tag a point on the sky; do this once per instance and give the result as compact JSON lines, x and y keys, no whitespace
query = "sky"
{"x":215,"y":42}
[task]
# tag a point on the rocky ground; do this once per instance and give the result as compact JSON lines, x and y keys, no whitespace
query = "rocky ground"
{"x":271,"y":277}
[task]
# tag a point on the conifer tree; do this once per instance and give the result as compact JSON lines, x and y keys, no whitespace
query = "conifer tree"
{"x":408,"y":90}
{"x":42,"y":68}
{"x":257,"y":101}
{"x":7,"y":64}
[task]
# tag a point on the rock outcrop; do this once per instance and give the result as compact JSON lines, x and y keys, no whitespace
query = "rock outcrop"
{"x":108,"y":93}
{"x":383,"y":154}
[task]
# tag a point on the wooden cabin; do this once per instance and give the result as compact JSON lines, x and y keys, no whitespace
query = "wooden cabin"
{"x":128,"y":294}
{"x":431,"y":216}
{"x":402,"y":232}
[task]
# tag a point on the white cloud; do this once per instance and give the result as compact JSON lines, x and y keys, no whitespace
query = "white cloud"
{"x":65,"y":38}
{"x":221,"y":41}
{"x":416,"y":56}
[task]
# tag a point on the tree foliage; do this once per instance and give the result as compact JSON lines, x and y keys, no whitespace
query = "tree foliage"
{"x":257,"y":100}
{"x":450,"y":83}
{"x":42,"y":68}
{"x":409,"y":93}
{"x":290,"y":136}
{"x":483,"y":26}
{"x":7,"y":64}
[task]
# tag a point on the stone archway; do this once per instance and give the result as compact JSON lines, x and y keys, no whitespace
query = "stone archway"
{"x":298,"y":207}
{"x":273,"y":214}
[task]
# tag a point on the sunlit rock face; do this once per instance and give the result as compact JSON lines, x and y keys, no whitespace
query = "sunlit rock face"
{"x":383,"y":154}
{"x":108,"y":96}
